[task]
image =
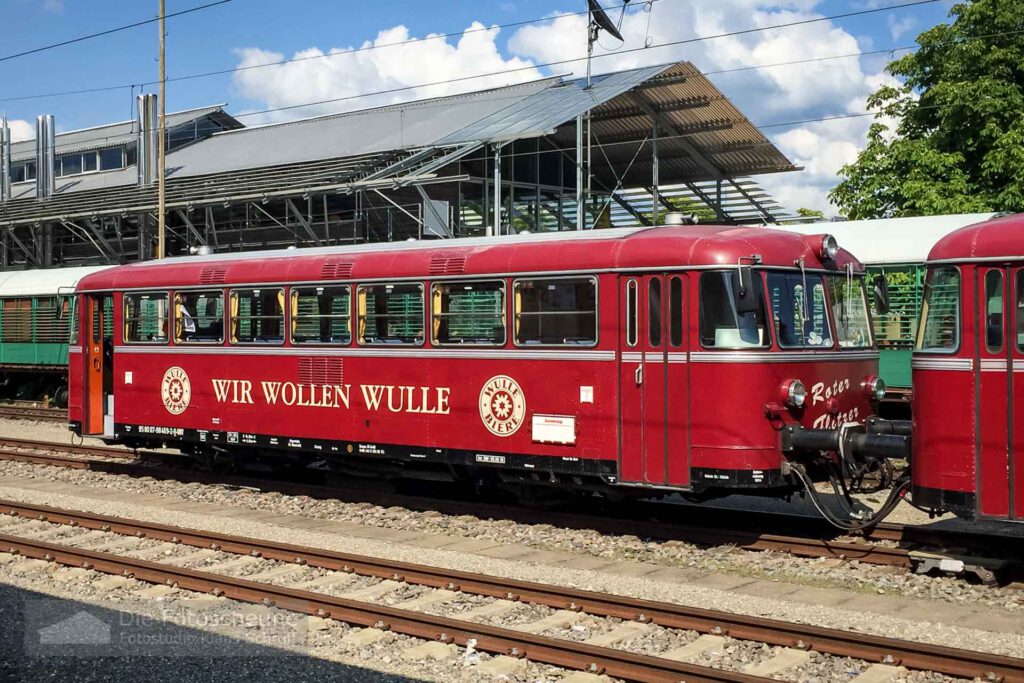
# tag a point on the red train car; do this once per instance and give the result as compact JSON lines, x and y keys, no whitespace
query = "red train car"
{"x":697,"y":359}
{"x":969,"y":375}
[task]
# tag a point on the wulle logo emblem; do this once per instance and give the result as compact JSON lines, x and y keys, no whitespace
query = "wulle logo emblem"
{"x":502,"y":405}
{"x":175,"y":390}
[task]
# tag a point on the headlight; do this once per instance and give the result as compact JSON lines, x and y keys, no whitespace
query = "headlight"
{"x":875,"y":387}
{"x":794,"y":393}
{"x":829,"y":248}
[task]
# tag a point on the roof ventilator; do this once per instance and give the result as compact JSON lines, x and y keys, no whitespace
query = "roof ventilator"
{"x":447,"y":265}
{"x":212,"y":276}
{"x":679,"y":218}
{"x":335,"y":270}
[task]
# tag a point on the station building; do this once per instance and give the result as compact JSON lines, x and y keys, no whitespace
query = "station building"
{"x":547,"y":155}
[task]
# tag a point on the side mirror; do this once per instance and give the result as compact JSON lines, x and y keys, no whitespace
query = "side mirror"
{"x":743,"y":288}
{"x":881,"y":292}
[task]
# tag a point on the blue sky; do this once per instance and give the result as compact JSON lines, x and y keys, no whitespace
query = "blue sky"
{"x":257,"y":31}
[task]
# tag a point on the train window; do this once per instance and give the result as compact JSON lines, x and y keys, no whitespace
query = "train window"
{"x":390,"y":314}
{"x":98,"y":319}
{"x":721,"y":325}
{"x":468,"y":312}
{"x":145,"y":318}
{"x":631,"y":313}
{"x":320,"y":315}
{"x":940,"y":331}
{"x":849,"y":311}
{"x":675,"y":311}
{"x":199,"y":317}
{"x":654,"y":311}
{"x":17,"y":317}
{"x":257,"y":316}
{"x":72,"y":302}
{"x":1019,"y":314}
{"x":994,"y":311}
{"x":559,"y":311}
{"x":798,"y":309}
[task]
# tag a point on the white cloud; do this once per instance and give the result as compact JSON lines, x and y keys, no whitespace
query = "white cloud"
{"x":766,"y":95}
{"x":21,"y":130}
{"x":395,"y":68}
{"x":898,"y":26}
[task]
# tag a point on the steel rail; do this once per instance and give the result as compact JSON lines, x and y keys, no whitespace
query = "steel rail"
{"x":57,"y":447}
{"x":38,"y":414}
{"x":563,"y":653}
{"x":949,"y":661}
{"x":740,"y":528}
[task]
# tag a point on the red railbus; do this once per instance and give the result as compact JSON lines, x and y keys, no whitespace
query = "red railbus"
{"x":698,"y":359}
{"x":968,"y":367}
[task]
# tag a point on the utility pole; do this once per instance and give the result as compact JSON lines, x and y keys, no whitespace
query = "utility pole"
{"x":161,"y":198}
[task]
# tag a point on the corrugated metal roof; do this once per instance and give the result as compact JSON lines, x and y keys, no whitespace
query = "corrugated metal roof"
{"x":702,"y":136}
{"x":742,"y":201}
{"x":401,"y":126}
{"x":107,"y":135}
{"x":543,"y":112}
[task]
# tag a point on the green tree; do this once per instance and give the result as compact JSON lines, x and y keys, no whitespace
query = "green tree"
{"x":956,"y":143}
{"x":810,"y":213}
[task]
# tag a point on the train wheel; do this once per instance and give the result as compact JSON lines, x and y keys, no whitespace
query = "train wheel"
{"x":218,"y":461}
{"x":60,"y":397}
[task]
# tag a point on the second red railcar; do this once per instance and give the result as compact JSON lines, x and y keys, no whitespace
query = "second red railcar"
{"x":969,"y":375}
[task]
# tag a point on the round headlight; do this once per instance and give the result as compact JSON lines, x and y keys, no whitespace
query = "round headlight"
{"x":876,"y":387}
{"x":795,"y":393}
{"x":829,"y":247}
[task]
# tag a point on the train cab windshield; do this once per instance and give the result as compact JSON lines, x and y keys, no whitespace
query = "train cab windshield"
{"x":808,"y":311}
{"x":849,"y":311}
{"x":799,"y":310}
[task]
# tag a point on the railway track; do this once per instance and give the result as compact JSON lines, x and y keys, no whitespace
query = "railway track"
{"x":909,"y":547}
{"x":24,"y":522}
{"x":35,"y":413}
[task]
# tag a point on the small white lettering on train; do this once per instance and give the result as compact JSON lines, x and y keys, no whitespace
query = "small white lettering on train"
{"x":820,"y":392}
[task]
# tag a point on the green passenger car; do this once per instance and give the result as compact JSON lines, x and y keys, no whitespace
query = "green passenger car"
{"x":36,"y":310}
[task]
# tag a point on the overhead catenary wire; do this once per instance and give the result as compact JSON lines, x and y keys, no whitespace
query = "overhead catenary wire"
{"x":285,"y":62}
{"x":294,"y":60}
{"x":79,"y":143}
{"x":110,"y":31}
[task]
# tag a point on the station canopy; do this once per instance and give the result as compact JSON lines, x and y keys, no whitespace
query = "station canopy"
{"x":701,"y":137}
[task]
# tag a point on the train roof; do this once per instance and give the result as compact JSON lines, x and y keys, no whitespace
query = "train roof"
{"x":890,"y":241}
{"x":595,"y":250}
{"x":999,"y":238}
{"x":43,"y":281}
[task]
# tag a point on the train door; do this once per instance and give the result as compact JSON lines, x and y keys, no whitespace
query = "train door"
{"x":994,"y":381}
{"x":654,"y":382}
{"x":98,"y":349}
{"x":1015,"y":339}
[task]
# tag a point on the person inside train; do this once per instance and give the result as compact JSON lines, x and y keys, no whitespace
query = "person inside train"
{"x":214,"y":328}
